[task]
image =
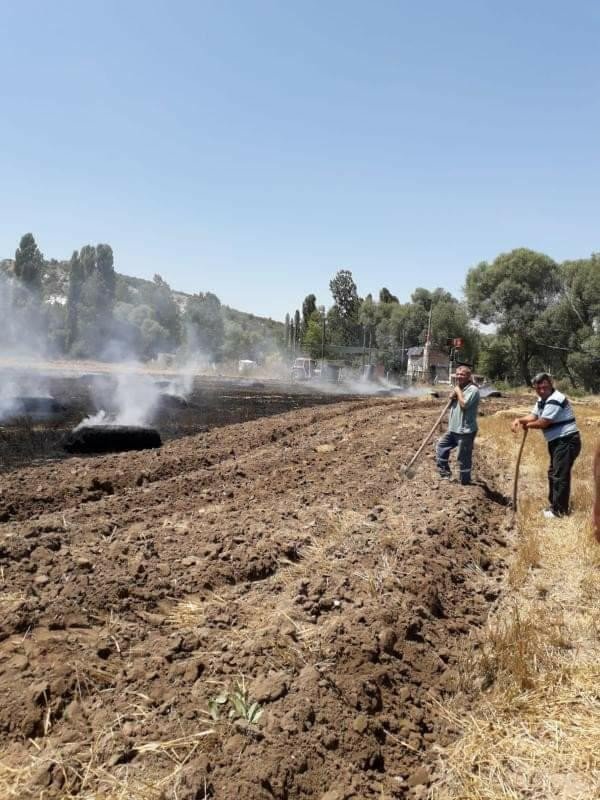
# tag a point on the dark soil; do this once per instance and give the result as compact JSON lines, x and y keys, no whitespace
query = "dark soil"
{"x":283,"y":557}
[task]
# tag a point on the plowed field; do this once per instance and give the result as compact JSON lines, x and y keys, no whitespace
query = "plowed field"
{"x":280,"y":561}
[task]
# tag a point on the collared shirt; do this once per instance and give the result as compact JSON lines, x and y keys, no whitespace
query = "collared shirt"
{"x":559,"y":412}
{"x":464,"y":420}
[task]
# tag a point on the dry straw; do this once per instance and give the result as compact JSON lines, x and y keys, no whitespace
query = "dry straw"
{"x":535,"y":730}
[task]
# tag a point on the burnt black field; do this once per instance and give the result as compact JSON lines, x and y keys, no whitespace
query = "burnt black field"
{"x":212,"y":402}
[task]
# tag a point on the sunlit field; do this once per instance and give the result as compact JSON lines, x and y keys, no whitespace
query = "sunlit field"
{"x":536,"y":731}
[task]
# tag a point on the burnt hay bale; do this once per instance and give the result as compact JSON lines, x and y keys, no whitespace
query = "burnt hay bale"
{"x":111,"y":439}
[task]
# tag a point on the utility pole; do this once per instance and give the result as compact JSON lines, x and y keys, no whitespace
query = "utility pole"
{"x":364,"y":344}
{"x":323,"y":337}
{"x":402,"y":355}
{"x":427,"y":347}
{"x":429,"y":323}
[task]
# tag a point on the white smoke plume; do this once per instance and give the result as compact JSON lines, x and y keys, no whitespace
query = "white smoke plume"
{"x":129,"y":397}
{"x":22,"y":348}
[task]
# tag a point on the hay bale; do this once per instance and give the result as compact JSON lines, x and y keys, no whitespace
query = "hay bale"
{"x":111,"y":439}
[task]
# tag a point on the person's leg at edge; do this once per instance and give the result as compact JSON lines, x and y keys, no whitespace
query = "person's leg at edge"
{"x":465,"y":457}
{"x":445,"y":444}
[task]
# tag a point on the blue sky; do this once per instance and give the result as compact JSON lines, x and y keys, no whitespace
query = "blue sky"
{"x":254,"y":148}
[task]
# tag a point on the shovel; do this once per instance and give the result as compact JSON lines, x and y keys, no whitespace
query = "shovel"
{"x":408,"y":471}
{"x":517,"y":466}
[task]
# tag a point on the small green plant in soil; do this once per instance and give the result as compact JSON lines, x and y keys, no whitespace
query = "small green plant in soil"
{"x":239,"y":703}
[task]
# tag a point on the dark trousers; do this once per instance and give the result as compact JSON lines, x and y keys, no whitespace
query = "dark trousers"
{"x":563,"y":452}
{"x":464,"y":456}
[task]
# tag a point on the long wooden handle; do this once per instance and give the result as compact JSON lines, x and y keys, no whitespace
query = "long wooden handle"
{"x":517,"y":467}
{"x":429,"y":435}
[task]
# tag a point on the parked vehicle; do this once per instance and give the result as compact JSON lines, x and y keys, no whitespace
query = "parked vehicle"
{"x":304,"y":369}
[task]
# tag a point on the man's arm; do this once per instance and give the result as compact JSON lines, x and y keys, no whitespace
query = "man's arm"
{"x":538,"y":423}
{"x":525,"y":422}
{"x":596,"y":512}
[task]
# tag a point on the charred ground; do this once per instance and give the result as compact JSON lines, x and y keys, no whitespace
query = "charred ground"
{"x":210,"y":403}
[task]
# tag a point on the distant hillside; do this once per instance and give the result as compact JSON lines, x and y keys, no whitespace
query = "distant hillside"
{"x":56,"y":283}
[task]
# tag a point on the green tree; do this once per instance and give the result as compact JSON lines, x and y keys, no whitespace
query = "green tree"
{"x":76,"y":280}
{"x":368,"y":317}
{"x":29,"y":264}
{"x":385,"y":296}
{"x":345,"y":294}
{"x":106,"y":270}
{"x":512,"y":293}
{"x":235,"y":343}
{"x":159,"y":297}
{"x":567,"y":333}
{"x":495,"y":358}
{"x":90,"y":301}
{"x":205,"y":329}
{"x":55,"y":322}
{"x":97,"y":298}
{"x":312,"y":342}
{"x":343,"y":324}
{"x":297,"y":330}
{"x":309,"y":306}
{"x":123,"y":293}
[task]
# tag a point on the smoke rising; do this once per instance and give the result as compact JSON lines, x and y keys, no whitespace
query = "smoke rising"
{"x":122,"y":398}
{"x":21,"y":340}
{"x":131,"y":396}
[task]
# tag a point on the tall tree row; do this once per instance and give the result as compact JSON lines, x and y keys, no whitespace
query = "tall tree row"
{"x":29,"y":265}
{"x":522,"y":313}
{"x":90,"y":301}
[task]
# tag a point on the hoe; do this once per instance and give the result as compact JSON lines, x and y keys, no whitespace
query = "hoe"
{"x":408,"y":471}
{"x":516,"y":478}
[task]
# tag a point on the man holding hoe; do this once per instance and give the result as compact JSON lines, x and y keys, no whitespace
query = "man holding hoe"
{"x":462,"y":427}
{"x":554,"y":415}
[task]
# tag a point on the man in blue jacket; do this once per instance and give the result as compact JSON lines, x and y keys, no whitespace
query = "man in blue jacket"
{"x":553,"y":415}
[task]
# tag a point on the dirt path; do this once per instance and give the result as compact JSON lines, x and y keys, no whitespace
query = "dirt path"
{"x":282,"y":557}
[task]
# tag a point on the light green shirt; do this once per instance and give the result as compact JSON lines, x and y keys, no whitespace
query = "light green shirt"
{"x":464,"y":420}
